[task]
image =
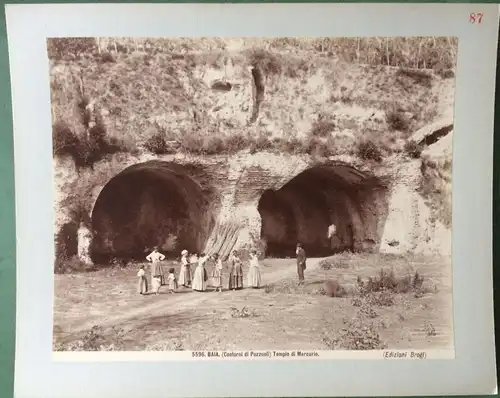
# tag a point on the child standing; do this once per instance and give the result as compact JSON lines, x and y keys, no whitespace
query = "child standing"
{"x":217,"y":273}
{"x":142,"y":282}
{"x":172,"y":281}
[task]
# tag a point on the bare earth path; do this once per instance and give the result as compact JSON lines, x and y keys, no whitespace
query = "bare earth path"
{"x":279,"y":317}
{"x":165,"y":304}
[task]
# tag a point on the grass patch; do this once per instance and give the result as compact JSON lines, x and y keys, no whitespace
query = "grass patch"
{"x":397,"y":121}
{"x":388,"y":281}
{"x":334,"y":262}
{"x":369,"y":150}
{"x":322,"y":128}
{"x":244,"y":312}
{"x":418,"y":76}
{"x":68,"y":265}
{"x":357,"y":334}
{"x":96,"y":339}
{"x":89,"y":146}
{"x":413,"y":149}
{"x":158,"y":144}
{"x":435,"y":187}
{"x":285,"y":287}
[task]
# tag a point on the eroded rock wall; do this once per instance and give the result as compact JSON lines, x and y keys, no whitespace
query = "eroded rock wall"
{"x":370,"y":217}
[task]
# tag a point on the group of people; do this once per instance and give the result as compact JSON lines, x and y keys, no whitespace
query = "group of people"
{"x":193,"y":273}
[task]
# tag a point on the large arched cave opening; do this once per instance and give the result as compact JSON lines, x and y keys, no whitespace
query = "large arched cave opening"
{"x":150,"y":204}
{"x":327,"y":208}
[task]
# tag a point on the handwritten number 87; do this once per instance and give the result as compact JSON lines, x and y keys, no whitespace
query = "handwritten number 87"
{"x":476,"y":17}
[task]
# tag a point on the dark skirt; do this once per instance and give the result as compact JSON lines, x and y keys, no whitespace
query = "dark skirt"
{"x":235,"y":281}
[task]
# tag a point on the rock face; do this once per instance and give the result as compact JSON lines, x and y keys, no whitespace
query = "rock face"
{"x":216,"y":204}
{"x":130,"y":202}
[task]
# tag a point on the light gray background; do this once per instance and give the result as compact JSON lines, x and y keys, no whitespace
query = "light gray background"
{"x":472,"y":372}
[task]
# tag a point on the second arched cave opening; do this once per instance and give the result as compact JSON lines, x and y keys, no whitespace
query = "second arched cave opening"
{"x":328,"y":209}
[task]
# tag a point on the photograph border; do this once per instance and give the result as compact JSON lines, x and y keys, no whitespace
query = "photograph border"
{"x":481,"y":255}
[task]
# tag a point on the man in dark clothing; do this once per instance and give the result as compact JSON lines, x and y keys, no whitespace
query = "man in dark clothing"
{"x":301,"y":262}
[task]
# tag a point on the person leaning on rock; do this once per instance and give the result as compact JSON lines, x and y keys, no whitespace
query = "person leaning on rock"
{"x":301,"y":262}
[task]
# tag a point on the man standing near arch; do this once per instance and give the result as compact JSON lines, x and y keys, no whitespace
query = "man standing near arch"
{"x":301,"y":262}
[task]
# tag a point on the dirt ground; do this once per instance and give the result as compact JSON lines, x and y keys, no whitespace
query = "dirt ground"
{"x":102,"y":310}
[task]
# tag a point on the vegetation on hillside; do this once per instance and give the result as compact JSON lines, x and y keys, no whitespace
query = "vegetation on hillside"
{"x":124,"y":95}
{"x":437,"y":53}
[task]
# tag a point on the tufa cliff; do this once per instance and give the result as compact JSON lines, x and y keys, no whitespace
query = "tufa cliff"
{"x":222,"y":151}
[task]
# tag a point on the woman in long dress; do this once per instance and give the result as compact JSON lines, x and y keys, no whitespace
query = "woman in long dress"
{"x":156,"y":269}
{"x":236,"y":272}
{"x":254,"y":277}
{"x":185,"y":272}
{"x":200,"y":275}
{"x":217,"y":273}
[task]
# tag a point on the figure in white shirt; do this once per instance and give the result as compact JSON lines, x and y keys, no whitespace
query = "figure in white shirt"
{"x":142,"y":281}
{"x":172,"y":281}
{"x":156,"y":269}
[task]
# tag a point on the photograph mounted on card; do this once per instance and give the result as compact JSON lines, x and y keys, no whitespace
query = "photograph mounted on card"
{"x":253,"y":197}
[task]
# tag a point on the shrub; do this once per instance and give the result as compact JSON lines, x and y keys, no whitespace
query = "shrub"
{"x":387,"y":281}
{"x":118,"y":262}
{"x":266,"y":61}
{"x":169,"y":345}
{"x":64,"y":140}
{"x":413,"y":149}
{"x":368,"y":150}
{"x":334,"y":289}
{"x":96,"y":340}
{"x":418,"y":76}
{"x":315,"y":147}
{"x":292,"y":145}
{"x":191,"y":143}
{"x":446,"y":73}
{"x":333,"y":262}
{"x":242,"y":313}
{"x":213,"y":146}
{"x":357,"y":335}
{"x":157,"y":144}
{"x":261,"y":144}
{"x":71,"y":264}
{"x":66,"y":246}
{"x":381,"y":299}
{"x":107,"y":57}
{"x":322,"y":128}
{"x":366,"y":311}
{"x":58,"y":48}
{"x":397,"y":121}
{"x":429,"y":328}
{"x":236,"y":143}
{"x":89,"y":148}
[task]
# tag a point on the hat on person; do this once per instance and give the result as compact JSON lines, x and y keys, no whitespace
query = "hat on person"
{"x":184,"y":252}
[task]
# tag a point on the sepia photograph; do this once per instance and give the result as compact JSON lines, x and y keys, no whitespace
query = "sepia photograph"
{"x":246,"y":193}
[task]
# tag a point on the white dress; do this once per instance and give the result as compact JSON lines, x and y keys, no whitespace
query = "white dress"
{"x":200,"y":276}
{"x":254,"y":277}
{"x":185,"y":272}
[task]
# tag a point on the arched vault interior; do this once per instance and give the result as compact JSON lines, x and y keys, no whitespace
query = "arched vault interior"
{"x":153,"y":203}
{"x":328,"y":209}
